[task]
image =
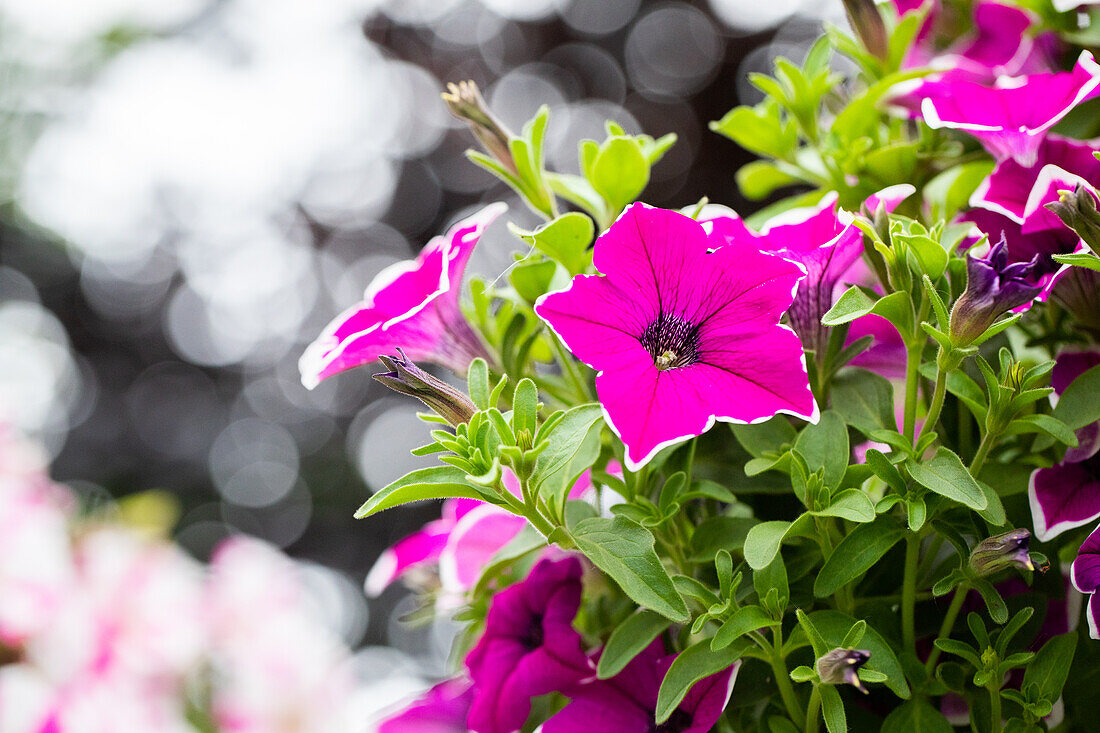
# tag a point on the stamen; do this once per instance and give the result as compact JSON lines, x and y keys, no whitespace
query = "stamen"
{"x":671,"y":341}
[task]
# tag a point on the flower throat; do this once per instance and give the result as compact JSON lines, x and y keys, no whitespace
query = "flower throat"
{"x":671,"y":341}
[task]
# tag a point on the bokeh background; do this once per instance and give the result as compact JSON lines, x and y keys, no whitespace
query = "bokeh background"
{"x":191,"y":189}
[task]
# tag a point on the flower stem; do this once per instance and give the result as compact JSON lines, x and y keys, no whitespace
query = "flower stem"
{"x":912,"y":375}
{"x":995,"y":706}
{"x":983,"y":452}
{"x":934,"y":410}
{"x":948,"y":624}
{"x":783,"y":680}
{"x":813,"y":710}
{"x":909,"y":590}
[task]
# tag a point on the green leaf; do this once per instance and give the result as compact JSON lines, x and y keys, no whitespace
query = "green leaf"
{"x":1049,"y":670}
{"x":620,"y":172}
{"x":856,"y":554}
{"x":850,"y":504}
{"x":758,"y":129}
{"x":628,"y":640}
{"x":951,"y":190}
{"x":564,"y":240}
{"x":525,"y":408}
{"x":624,"y":550}
{"x":531,"y":279}
{"x":885,"y":470}
{"x":834,"y":626}
{"x":743,"y":620}
{"x":825,"y":445}
{"x":1079,"y":405}
{"x":865,"y":400}
{"x":947,"y":476}
{"x":719,"y":533}
{"x":773,"y":578}
{"x":1080,"y":259}
{"x":762,"y":543}
{"x":477,"y":383}
{"x":574,"y":445}
{"x":690,"y":666}
{"x":832,"y":709}
{"x":436,"y":482}
{"x":764,"y":438}
{"x":916,"y":716}
{"x":759,"y":179}
{"x":854,"y":303}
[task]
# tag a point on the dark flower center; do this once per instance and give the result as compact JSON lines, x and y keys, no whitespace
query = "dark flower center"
{"x":532,"y":639}
{"x":671,"y":341}
{"x":679,"y":721}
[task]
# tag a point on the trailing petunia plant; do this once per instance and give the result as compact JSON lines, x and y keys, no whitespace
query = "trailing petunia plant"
{"x":834,"y":465}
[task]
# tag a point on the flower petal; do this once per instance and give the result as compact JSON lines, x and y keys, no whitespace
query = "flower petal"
{"x":1063,"y":497}
{"x":1085,"y":572}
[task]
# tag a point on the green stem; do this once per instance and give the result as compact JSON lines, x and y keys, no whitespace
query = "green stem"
{"x":909,"y":590}
{"x":961,"y":591}
{"x":912,"y":375}
{"x":813,"y":710}
{"x":783,"y":680}
{"x":530,"y":512}
{"x":994,"y":689}
{"x":983,"y":452}
{"x":937,"y":404}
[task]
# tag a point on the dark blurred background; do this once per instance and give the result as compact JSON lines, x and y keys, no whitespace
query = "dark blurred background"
{"x":192,"y":188}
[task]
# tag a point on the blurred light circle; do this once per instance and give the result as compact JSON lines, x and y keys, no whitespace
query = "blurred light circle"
{"x":586,"y":120}
{"x":281,"y":523}
{"x":419,"y":12}
{"x":254,"y":463}
{"x":597,"y":17}
{"x":517,"y":96}
{"x":673,"y":50}
{"x":467,"y":25}
{"x":596,"y":69}
{"x":526,"y":10}
{"x":176,"y":409}
{"x":760,"y":60}
{"x":338,"y":601}
{"x":750,"y":17}
{"x":381,"y":437}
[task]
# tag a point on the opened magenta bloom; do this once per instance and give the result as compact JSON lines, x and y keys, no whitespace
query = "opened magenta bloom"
{"x":683,"y":329}
{"x":1085,"y":575}
{"x":1010,"y":116}
{"x":412,"y":306}
{"x":1068,"y":495}
{"x":627,"y":702}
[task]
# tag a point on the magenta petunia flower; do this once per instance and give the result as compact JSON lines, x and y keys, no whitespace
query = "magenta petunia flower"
{"x":627,"y":702}
{"x":1011,"y":116}
{"x":681,"y":335}
{"x":442,"y":709}
{"x":529,"y":647}
{"x":1068,"y":495}
{"x":1085,"y":575}
{"x":412,"y":306}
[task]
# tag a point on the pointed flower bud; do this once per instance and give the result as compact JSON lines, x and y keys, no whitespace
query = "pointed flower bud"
{"x":466,"y":103}
{"x":1002,"y":551}
{"x":866,"y":20}
{"x":1077,"y":209}
{"x":841,"y":666}
{"x":407,"y":378}
{"x":993,"y":287}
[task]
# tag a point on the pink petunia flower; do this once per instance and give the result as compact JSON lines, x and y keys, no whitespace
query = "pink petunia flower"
{"x":1011,"y":116}
{"x":682,"y":335}
{"x":411,"y":305}
{"x":442,"y":709}
{"x":529,"y":647}
{"x":1068,"y":495}
{"x":626,"y":703}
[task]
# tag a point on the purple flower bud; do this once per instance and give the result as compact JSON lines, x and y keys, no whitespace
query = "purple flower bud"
{"x":866,"y":19}
{"x":993,"y":287}
{"x":1008,"y":550}
{"x":409,"y":379}
{"x":841,"y":666}
{"x":465,"y":102}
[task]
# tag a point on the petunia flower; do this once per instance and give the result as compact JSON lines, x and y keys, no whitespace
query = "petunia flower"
{"x":627,"y":702}
{"x":682,"y":335}
{"x":1068,"y":495}
{"x":994,"y":286}
{"x":529,"y":647}
{"x":1010,"y":116}
{"x":442,"y":709}
{"x":1085,"y":575}
{"x":410,"y":305}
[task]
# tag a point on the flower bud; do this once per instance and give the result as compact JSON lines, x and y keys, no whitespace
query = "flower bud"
{"x":1002,"y":551}
{"x":1077,"y":209}
{"x":841,"y":666}
{"x":866,"y":20}
{"x":466,"y":103}
{"x":407,"y":378}
{"x":993,"y":288}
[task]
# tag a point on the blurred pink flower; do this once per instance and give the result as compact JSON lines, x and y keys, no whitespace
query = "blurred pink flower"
{"x":411,"y":305}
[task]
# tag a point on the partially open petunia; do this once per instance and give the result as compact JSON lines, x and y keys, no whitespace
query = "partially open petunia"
{"x":627,"y":702}
{"x":1010,"y":116}
{"x":683,"y":329}
{"x":1068,"y":495}
{"x":411,"y":305}
{"x":1085,"y":575}
{"x":529,"y":647}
